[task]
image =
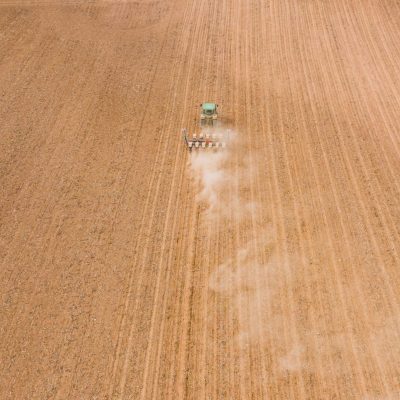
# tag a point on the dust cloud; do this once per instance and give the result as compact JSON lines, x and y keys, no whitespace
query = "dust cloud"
{"x":210,"y":170}
{"x":255,"y":278}
{"x":293,"y":361}
{"x":223,"y":179}
{"x":252,"y":275}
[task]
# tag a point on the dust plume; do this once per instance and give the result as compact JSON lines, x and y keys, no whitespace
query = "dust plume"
{"x":293,"y":361}
{"x":212,"y":174}
{"x":256,"y":278}
{"x":222,"y":178}
{"x":253,"y":274}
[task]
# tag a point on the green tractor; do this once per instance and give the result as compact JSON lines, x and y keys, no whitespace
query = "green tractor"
{"x":208,"y":114}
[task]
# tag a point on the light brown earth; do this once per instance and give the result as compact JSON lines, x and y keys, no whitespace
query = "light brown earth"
{"x":116,"y":280}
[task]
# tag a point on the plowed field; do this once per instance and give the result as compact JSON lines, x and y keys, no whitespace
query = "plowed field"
{"x":133,"y":269}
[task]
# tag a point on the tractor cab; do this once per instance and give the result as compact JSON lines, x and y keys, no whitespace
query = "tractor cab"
{"x":209,"y":108}
{"x":208,"y":113}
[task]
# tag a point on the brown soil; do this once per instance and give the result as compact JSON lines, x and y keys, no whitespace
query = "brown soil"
{"x":116,"y":281}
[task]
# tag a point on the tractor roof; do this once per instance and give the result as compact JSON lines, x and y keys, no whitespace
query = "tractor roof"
{"x":209,"y":106}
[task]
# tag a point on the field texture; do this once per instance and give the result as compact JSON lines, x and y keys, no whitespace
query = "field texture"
{"x":133,"y":269}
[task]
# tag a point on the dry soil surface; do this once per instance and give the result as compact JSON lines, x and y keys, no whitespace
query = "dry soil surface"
{"x":131,"y":269}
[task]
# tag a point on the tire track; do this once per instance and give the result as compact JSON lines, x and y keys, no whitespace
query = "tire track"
{"x":142,"y":226}
{"x":180,"y":172}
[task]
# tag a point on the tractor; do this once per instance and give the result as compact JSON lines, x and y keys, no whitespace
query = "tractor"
{"x":209,"y":137}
